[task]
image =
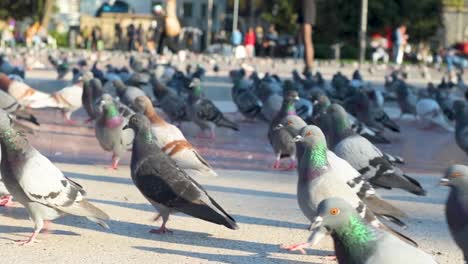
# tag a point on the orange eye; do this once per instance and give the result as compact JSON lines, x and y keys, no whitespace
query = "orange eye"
{"x":456,"y":174}
{"x":308,"y":134}
{"x":289,"y":122}
{"x":335,"y":211}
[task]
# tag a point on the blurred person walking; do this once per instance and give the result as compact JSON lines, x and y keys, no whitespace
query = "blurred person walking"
{"x":271,"y":40}
{"x":141,"y":38}
{"x":307,"y":19}
{"x":131,"y":31}
{"x":400,"y":39}
{"x":250,"y":43}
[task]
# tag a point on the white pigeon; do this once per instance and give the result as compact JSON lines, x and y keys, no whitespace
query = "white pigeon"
{"x":430,"y":113}
{"x":171,"y":140}
{"x":38,"y":184}
{"x":21,"y":91}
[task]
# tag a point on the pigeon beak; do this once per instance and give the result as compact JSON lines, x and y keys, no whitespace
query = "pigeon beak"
{"x":278,"y":127}
{"x":444,"y":182}
{"x":318,"y":231}
{"x":298,"y":138}
{"x":125,"y":127}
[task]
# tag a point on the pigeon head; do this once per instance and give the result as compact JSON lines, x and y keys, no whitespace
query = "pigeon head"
{"x":312,"y":136}
{"x":456,"y":176}
{"x":339,"y":117}
{"x":337,"y":217}
{"x":142,"y":104}
{"x":4,"y":82}
{"x":119,"y":86}
{"x":293,"y":124}
{"x":138,"y":122}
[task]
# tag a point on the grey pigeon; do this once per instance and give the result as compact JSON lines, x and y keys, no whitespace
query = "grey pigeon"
{"x":280,"y":140}
{"x":92,"y":92}
{"x":243,"y":96}
{"x":367,"y":158}
{"x":109,"y":131}
{"x":321,"y":179}
{"x":430,"y":113}
{"x":360,"y":106}
{"x":168,"y":188}
{"x":358,"y":242}
{"x":9,"y":104}
{"x":406,"y":99}
{"x":205,"y":114}
{"x":5,"y":197}
{"x":294,"y":125}
{"x":38,"y":185}
{"x":127,"y":94}
{"x":461,"y":125}
{"x":456,"y":209}
{"x":169,"y":101}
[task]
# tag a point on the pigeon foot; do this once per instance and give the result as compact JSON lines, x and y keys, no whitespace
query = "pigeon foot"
{"x":297,"y":247}
{"x":31,"y":240}
{"x":160,"y":231}
{"x":5,"y":201}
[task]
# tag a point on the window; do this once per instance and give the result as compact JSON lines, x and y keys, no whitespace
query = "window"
{"x":188,"y":10}
{"x":203,"y":11}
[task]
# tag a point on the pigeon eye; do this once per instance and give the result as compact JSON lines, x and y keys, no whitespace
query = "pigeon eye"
{"x":308,"y":134}
{"x":334,"y":211}
{"x":289,"y":122}
{"x":456,"y":174}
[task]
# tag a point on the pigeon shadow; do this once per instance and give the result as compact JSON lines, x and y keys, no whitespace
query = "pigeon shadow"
{"x":233,"y":259}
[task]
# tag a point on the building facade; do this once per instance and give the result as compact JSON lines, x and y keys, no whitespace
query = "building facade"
{"x":455,"y":19}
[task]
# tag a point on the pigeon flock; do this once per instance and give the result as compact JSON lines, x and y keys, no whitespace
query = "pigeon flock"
{"x":328,"y":131}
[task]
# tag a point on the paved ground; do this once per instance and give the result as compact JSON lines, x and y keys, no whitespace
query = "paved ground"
{"x":263,"y":201}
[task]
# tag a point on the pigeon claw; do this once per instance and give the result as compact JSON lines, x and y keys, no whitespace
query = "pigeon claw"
{"x":31,"y":240}
{"x":292,"y":165}
{"x":276,"y":165}
{"x":5,"y":201}
{"x":160,"y":231}
{"x":296,"y":247}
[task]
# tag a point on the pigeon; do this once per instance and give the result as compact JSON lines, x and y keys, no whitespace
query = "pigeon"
{"x":243,"y":96}
{"x":205,"y":114}
{"x":168,"y":188}
{"x":170,"y":139}
{"x":9,"y":104}
{"x":38,"y":184}
{"x":280,"y":140}
{"x":61,"y":66}
{"x":356,"y":241}
{"x":461,"y":125}
{"x":360,"y":106}
{"x":109,"y":131}
{"x":92,"y":92}
{"x":170,"y":102}
{"x":8,"y":69}
{"x":68,"y":99}
{"x":367,"y":158}
{"x":406,"y":99}
{"x":430,"y":113}
{"x":320,"y":179}
{"x":127,"y":94}
{"x":21,"y":91}
{"x":294,"y":125}
{"x":456,"y":209}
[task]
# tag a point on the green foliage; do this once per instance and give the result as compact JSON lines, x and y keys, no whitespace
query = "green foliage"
{"x":283,"y":14}
{"x":20,"y":9}
{"x":62,"y":38}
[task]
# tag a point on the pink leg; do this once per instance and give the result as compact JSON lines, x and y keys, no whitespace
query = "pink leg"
{"x":68,"y":120}
{"x":5,"y":201}
{"x":292,"y":165}
{"x":46,"y":229}
{"x":296,"y":247}
{"x":277,"y":164}
{"x":115,"y":163}
{"x":28,"y":241}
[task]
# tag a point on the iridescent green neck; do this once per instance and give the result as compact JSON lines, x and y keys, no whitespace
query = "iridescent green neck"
{"x":111,"y":111}
{"x":356,"y":234}
{"x":342,"y":125}
{"x":318,"y":156}
{"x":197,"y":90}
{"x":148,"y":136}
{"x":12,"y":139}
{"x":291,"y":108}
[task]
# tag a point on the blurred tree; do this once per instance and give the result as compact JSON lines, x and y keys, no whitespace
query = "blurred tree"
{"x":20,"y":9}
{"x":282,"y":13}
